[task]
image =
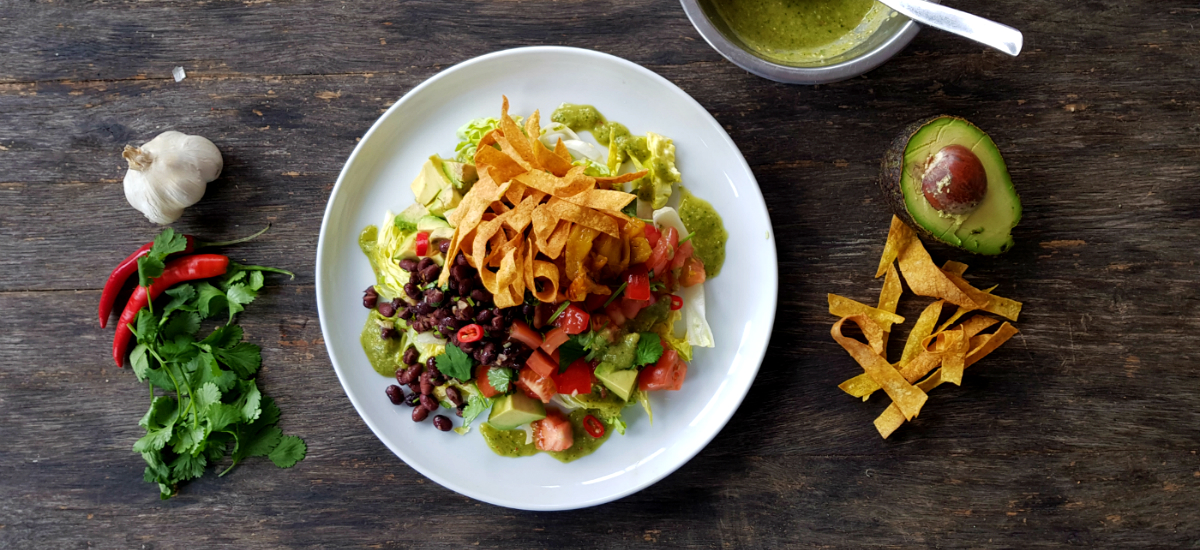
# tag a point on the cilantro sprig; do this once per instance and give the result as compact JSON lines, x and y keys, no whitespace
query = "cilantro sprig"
{"x":499,"y":378}
{"x":649,"y":349}
{"x":205,"y":402}
{"x":455,"y":363}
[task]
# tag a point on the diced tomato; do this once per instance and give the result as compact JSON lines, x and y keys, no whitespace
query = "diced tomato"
{"x":693,"y":273}
{"x":552,"y":433}
{"x":663,"y":252}
{"x":637,"y":283}
{"x":595,"y":302}
{"x":553,"y":339}
{"x":536,"y":386}
{"x":481,"y":381}
{"x":630,"y":308}
{"x":574,"y":320}
{"x":577,"y":379}
{"x":521,"y":332}
{"x":600,"y":320}
{"x":614,"y":312}
{"x":652,"y":234}
{"x":541,"y":363}
{"x":681,"y":255}
{"x":422,"y":243}
{"x":667,"y":374}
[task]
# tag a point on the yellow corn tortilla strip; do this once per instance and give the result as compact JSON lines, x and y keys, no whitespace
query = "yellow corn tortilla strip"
{"x":514,"y":138}
{"x":889,"y":296}
{"x":845,"y":307}
{"x":893,"y":417}
{"x":957,"y":268}
{"x":622,"y":178}
{"x":502,"y":166}
{"x":954,"y":357}
{"x":542,"y":181}
{"x":602,"y":199}
{"x":520,"y":217}
{"x":909,"y":398}
{"x":899,"y":235}
{"x":549,"y":160}
{"x":861,"y":386}
{"x":574,"y":182}
{"x":921,"y":330}
{"x":1004,"y":307}
{"x":586,"y":217}
{"x":558,"y":240}
{"x":976,"y":324}
{"x":925,"y":279}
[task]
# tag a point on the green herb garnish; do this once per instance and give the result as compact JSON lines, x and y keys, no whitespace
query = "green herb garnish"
{"x":499,"y":378}
{"x":455,"y":363}
{"x":649,"y":349}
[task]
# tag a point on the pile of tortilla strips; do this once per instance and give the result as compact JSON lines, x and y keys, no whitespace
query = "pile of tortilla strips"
{"x":931,"y":356}
{"x":534,"y":221}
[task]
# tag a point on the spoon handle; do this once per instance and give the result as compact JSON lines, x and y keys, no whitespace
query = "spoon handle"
{"x":984,"y":31}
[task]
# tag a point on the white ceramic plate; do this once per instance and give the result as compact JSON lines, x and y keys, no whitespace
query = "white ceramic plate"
{"x":741,"y":301}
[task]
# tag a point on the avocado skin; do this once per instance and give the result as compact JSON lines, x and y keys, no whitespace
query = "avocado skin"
{"x":892,"y":168}
{"x":891,"y":172}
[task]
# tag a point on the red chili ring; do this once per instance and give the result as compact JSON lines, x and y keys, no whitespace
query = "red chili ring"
{"x":593,"y":426}
{"x":470,"y":333}
{"x":676,"y":303}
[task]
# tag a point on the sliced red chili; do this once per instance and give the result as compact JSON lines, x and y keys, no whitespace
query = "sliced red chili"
{"x":470,"y":333}
{"x":676,"y":303}
{"x":423,"y":243}
{"x":594,"y":427}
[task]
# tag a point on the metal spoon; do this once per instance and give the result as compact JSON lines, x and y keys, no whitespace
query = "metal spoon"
{"x":984,"y":31}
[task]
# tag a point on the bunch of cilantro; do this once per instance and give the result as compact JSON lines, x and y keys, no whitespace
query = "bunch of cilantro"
{"x":208,"y":403}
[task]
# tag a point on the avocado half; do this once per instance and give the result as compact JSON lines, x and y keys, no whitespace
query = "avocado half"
{"x":985,"y":207}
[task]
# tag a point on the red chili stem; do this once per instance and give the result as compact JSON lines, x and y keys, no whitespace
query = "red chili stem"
{"x":128,"y":267}
{"x":188,"y":268}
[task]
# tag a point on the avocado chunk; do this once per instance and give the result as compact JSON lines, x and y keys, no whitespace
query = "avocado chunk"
{"x":442,"y":183}
{"x":515,"y":409}
{"x":945,"y":178}
{"x":621,"y":382}
{"x":406,"y":221}
{"x":436,"y":227}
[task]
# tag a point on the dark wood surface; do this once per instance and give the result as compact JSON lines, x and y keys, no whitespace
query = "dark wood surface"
{"x":1082,"y":431}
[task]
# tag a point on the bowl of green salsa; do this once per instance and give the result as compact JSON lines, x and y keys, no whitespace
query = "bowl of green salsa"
{"x":802,"y":41}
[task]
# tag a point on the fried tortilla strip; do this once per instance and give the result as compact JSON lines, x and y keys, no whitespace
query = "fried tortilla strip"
{"x":622,"y":178}
{"x":516,"y":141}
{"x":957,"y":268}
{"x":909,"y":398}
{"x":893,"y":417}
{"x":899,"y":235}
{"x":957,"y":344}
{"x":920,"y":331}
{"x":558,"y":240}
{"x":549,"y":160}
{"x":841,"y":306}
{"x":574,"y":182}
{"x":1008,"y":309}
{"x":925,"y":279}
{"x":520,"y":217}
{"x":602,"y":199}
{"x":542,"y":181}
{"x":502,"y":166}
{"x":586,"y":217}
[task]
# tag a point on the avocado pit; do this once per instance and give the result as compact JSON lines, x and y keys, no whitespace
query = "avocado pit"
{"x":955,"y":181}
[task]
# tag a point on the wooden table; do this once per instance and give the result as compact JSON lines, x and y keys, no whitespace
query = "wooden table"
{"x":1081,"y":431}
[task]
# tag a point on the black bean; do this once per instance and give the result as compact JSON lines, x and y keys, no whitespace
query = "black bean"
{"x":488,"y":354}
{"x":434,"y":295}
{"x":442,"y":423}
{"x":468,"y":347}
{"x":460,"y":272}
{"x":424,"y":308}
{"x":411,"y":355}
{"x":480,"y":295}
{"x":430,"y":274}
{"x":415,"y":387}
{"x":420,"y":414}
{"x":527,"y":310}
{"x":408,"y":264}
{"x":424,"y":263}
{"x":409,"y":375}
{"x":453,"y":396}
{"x":395,"y":394}
{"x":431,"y":362}
{"x":498,"y":324}
{"x":429,"y":402}
{"x":413,"y":399}
{"x":461,"y":259}
{"x":437,"y":377}
{"x":426,"y":383}
{"x":406,"y":313}
{"x":483,"y":317}
{"x":412,"y":291}
{"x":386,"y":309}
{"x":464,"y":313}
{"x":388,"y":333}
{"x":444,"y":246}
{"x":370,"y":297}
{"x":465,"y":286}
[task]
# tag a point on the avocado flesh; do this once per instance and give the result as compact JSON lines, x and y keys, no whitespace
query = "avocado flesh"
{"x":987,"y":229}
{"x":434,"y":189}
{"x":620,"y":382}
{"x":514,"y":410}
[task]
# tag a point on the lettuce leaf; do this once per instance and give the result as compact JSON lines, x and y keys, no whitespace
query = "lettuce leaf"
{"x":389,"y":239}
{"x":470,"y":134}
{"x":698,"y":332}
{"x":658,"y":185}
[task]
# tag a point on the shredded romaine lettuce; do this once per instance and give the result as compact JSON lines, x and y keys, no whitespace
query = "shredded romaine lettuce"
{"x":389,"y":240}
{"x":669,"y":217}
{"x":592,"y":169}
{"x":470,"y":134}
{"x":644,"y":399}
{"x":666,"y":331}
{"x":426,"y":343}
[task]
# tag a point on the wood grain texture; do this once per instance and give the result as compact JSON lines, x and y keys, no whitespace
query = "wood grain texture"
{"x":1082,"y":431}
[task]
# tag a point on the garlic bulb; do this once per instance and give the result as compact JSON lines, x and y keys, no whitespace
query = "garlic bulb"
{"x":169,"y":173}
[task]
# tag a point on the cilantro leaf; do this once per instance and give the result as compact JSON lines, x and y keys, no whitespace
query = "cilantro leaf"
{"x":154,"y":440}
{"x":205,"y":295}
{"x":250,"y":403}
{"x":186,"y":467}
{"x":262,"y":443}
{"x":162,"y":412}
{"x":146,"y":325}
{"x":476,"y":406}
{"x":224,"y":337}
{"x":220,"y":415}
{"x":207,"y":395}
{"x":455,"y":363}
{"x":204,"y":369}
{"x":183,"y":323}
{"x":649,"y":349}
{"x":238,"y":296}
{"x":498,"y":377}
{"x":256,"y":280}
{"x":288,"y":452}
{"x":180,"y":295}
{"x":151,"y":265}
{"x":243,"y":358}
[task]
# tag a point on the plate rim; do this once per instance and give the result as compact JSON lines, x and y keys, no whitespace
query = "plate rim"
{"x":772,"y":282}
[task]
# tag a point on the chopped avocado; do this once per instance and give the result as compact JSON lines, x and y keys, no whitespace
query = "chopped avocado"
{"x":406,"y":221}
{"x":944,"y":177}
{"x":434,"y":189}
{"x":461,"y":175}
{"x":515,"y":409}
{"x":437,"y":227}
{"x":621,"y":382}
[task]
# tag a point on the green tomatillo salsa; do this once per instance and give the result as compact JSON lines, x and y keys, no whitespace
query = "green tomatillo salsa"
{"x":801,"y":31}
{"x":512,"y":443}
{"x":586,"y":118}
{"x":708,"y":241}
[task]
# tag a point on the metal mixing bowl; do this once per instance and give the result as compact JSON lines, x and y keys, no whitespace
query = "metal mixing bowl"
{"x":891,"y":37}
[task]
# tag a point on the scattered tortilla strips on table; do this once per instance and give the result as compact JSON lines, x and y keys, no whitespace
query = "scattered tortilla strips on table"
{"x":933,"y":353}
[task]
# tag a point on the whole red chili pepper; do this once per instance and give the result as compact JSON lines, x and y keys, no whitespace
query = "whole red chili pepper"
{"x":188,"y":268}
{"x":128,"y":267}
